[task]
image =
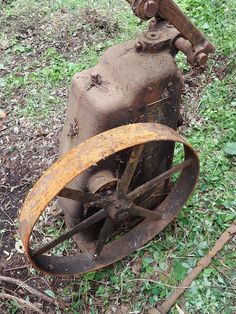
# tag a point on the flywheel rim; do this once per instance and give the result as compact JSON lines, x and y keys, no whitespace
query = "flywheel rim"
{"x":78,"y":160}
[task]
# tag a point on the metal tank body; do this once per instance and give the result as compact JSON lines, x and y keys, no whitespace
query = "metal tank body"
{"x":128,"y":85}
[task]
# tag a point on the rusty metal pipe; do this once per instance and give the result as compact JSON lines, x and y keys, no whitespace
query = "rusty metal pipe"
{"x":175,"y":15}
{"x":185,"y":46}
{"x":170,"y":10}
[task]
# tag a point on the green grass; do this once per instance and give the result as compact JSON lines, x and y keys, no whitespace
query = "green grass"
{"x":165,"y":261}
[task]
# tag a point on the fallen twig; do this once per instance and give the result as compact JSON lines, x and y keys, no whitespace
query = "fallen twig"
{"x":4,"y":129}
{"x":24,"y":303}
{"x":16,"y":268}
{"x":35,"y":292}
{"x":204,"y":262}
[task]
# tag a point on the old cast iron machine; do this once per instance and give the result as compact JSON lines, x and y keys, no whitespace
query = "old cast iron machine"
{"x":116,"y":181}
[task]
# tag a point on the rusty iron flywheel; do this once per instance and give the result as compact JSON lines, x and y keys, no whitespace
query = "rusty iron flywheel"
{"x":113,"y":209}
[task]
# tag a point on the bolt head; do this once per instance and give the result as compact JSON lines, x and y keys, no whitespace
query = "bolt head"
{"x":201,"y":59}
{"x":138,"y":46}
{"x":150,"y":9}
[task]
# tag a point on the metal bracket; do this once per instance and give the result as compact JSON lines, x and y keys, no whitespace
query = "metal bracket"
{"x":193,"y":43}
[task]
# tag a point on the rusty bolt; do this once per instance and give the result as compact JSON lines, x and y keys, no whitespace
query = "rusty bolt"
{"x":138,"y":46}
{"x":201,"y":58}
{"x":150,"y":8}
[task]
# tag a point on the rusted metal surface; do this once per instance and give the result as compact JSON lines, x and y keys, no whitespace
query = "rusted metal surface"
{"x":101,"y":180}
{"x":130,"y":168}
{"x":147,"y":186}
{"x":160,"y":37}
{"x":185,"y":46}
{"x":77,"y":161}
{"x":150,"y":8}
{"x":199,"y":47}
{"x":98,"y":216}
{"x":144,"y":9}
{"x":127,"y":86}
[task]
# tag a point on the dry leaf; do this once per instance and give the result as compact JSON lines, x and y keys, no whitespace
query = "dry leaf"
{"x":2,"y":114}
{"x":136,"y":267}
{"x":180,"y":311}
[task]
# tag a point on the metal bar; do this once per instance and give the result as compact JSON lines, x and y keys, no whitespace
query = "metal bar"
{"x":106,"y":230}
{"x":200,"y":46}
{"x":175,"y":15}
{"x":76,"y":195}
{"x":204,"y":262}
{"x":144,"y":212}
{"x":165,"y":175}
{"x":131,"y":166}
{"x":83,"y":225}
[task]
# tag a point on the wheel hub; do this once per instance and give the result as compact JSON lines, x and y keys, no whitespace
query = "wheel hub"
{"x":118,"y":209}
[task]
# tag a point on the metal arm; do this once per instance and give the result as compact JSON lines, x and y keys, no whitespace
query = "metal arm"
{"x":200,"y":47}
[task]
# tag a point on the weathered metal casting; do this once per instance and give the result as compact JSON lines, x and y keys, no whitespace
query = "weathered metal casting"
{"x":196,"y":46}
{"x":84,"y":156}
{"x":159,"y":37}
{"x":112,"y":179}
{"x":132,"y":86}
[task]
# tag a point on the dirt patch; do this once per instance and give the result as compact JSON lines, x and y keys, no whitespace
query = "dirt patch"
{"x":66,"y":31}
{"x":195,"y":81}
{"x":26,"y":152}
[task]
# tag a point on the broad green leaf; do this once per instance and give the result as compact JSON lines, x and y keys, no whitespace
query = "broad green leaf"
{"x":152,"y":299}
{"x":230,"y":149}
{"x":179,"y":271}
{"x":208,"y":271}
{"x":155,"y":291}
{"x":90,"y":276}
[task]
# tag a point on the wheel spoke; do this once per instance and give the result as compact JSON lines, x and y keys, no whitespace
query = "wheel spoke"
{"x":144,"y":212}
{"x":131,"y":166}
{"x":81,"y":226}
{"x":76,"y":195}
{"x":165,"y":175}
{"x":104,"y":235}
